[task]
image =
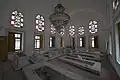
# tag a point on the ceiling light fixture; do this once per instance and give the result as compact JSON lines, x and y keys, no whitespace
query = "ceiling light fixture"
{"x":59,"y":18}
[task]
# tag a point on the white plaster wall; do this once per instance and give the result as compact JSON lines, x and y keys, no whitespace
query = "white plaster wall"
{"x":82,"y":18}
{"x":81,"y":12}
{"x":113,"y":19}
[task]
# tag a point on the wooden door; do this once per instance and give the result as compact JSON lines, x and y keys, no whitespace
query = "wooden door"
{"x":3,"y":48}
{"x":11,"y":42}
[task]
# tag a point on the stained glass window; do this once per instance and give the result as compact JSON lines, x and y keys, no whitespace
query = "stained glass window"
{"x":93,"y":27}
{"x":17,"y":19}
{"x":53,"y":29}
{"x":62,"y":31}
{"x":81,"y":30}
{"x":72,"y":30}
{"x":115,"y":4}
{"x":40,"y":23}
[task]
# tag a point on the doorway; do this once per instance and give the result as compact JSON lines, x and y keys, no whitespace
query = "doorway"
{"x":3,"y":48}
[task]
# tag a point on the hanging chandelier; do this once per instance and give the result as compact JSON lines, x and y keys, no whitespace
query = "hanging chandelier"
{"x":59,"y":19}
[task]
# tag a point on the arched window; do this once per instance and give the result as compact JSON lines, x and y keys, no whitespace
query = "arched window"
{"x":62,"y":31}
{"x":52,"y":42}
{"x":115,"y":4}
{"x":81,"y":31}
{"x":40,"y":23}
{"x":53,"y":30}
{"x":93,"y":42}
{"x":117,"y":41}
{"x":72,"y":30}
{"x":110,"y":44}
{"x":93,"y":27}
{"x":81,"y":42}
{"x":17,"y":19}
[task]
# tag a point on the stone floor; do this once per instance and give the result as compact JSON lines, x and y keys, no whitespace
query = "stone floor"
{"x":109,"y":71}
{"x":8,"y":73}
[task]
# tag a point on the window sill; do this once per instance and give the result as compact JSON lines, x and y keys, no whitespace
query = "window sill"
{"x":118,"y":61}
{"x":81,"y":47}
{"x":18,"y":51}
{"x":94,"y":48}
{"x":39,"y":49}
{"x":52,"y":47}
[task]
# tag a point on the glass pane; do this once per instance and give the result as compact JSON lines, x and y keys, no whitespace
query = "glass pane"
{"x":12,"y":22}
{"x":37,"y":37}
{"x":17,"y":44}
{"x":93,"y":27}
{"x":81,"y":30}
{"x":50,"y":41}
{"x":80,"y":39}
{"x":13,"y":17}
{"x":21,"y":24}
{"x":53,"y":29}
{"x":17,"y":35}
{"x":93,"y":45}
{"x":38,"y":44}
{"x":15,"y":12}
{"x":18,"y":19}
{"x":110,"y":45}
{"x":80,"y":42}
{"x":72,"y":30}
{"x":40,"y":22}
{"x":38,"y":17}
{"x":36,"y":21}
{"x":115,"y":4}
{"x":37,"y":41}
{"x":90,"y":23}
